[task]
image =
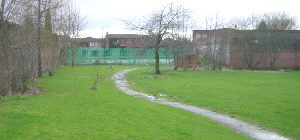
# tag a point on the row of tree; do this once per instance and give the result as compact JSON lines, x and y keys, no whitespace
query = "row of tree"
{"x":169,"y":26}
{"x":33,"y":34}
{"x":251,"y":37}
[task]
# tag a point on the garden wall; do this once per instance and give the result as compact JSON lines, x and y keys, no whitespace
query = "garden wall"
{"x":284,"y":60}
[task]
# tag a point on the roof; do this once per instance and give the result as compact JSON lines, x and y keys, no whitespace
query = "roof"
{"x":245,"y":31}
{"x":124,"y":36}
{"x":87,"y":39}
{"x":292,"y":34}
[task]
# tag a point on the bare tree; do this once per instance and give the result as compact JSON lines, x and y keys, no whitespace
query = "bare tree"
{"x":217,"y":43}
{"x":179,"y":48}
{"x":251,"y":45}
{"x":21,"y":31}
{"x":273,"y":21}
{"x":70,"y":23}
{"x":17,"y":49}
{"x":40,"y":7}
{"x":278,"y":21}
{"x":278,"y":40}
{"x":160,"y":24}
{"x":264,"y":35}
{"x":9,"y":12}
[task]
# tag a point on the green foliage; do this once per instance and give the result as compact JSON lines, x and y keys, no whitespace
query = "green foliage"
{"x":269,"y":99}
{"x":70,"y":110}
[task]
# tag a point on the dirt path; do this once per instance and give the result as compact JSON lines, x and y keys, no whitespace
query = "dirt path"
{"x":250,"y":130}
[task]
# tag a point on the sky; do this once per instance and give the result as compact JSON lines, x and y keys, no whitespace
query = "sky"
{"x":107,"y":15}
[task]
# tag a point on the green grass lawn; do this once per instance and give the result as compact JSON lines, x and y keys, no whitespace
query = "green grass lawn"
{"x":69,"y":109}
{"x":270,"y":99}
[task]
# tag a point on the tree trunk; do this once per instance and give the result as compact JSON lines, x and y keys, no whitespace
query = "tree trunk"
{"x":274,"y":57}
{"x":175,"y":63}
{"x":50,"y":73}
{"x":73,"y":57}
{"x":157,"y":71}
{"x":5,"y":52}
{"x":39,"y":42}
{"x":182,"y":62}
{"x":220,"y":60}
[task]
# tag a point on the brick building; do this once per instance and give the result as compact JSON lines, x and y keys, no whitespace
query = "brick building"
{"x":208,"y":42}
{"x":124,"y":40}
{"x":90,"y":42}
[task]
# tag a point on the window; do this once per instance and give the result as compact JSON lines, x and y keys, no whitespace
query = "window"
{"x":126,"y":41}
{"x":132,"y":40}
{"x":92,"y":44}
{"x":198,"y":36}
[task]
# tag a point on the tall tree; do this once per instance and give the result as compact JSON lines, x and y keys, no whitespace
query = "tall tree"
{"x":22,"y":32}
{"x":41,"y":6}
{"x":48,"y":22}
{"x":49,"y":43}
{"x":9,"y":10}
{"x":160,"y":24}
{"x":217,"y":40}
{"x":70,"y":24}
{"x":39,"y":41}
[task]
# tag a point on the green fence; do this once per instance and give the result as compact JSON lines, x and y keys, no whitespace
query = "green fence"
{"x":129,"y":56}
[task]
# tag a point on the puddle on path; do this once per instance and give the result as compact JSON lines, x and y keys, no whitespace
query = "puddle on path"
{"x":250,"y":130}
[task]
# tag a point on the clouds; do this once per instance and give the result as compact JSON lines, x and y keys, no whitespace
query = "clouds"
{"x":108,"y":14}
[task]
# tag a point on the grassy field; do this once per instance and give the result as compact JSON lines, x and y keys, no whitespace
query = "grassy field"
{"x":270,"y":99}
{"x":69,"y":109}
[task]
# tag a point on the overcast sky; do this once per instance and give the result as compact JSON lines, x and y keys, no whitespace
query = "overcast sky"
{"x":107,"y":15}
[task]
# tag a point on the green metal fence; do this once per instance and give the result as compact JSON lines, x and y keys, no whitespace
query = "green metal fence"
{"x":129,"y":56}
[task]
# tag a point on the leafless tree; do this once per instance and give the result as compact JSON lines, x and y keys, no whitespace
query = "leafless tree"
{"x":251,"y":45}
{"x":277,"y":40}
{"x":265,"y":35}
{"x":9,"y":15}
{"x":160,"y":24}
{"x":70,"y":23}
{"x":273,"y":20}
{"x":41,"y":6}
{"x":278,"y":21}
{"x":217,"y":43}
{"x":21,"y":31}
